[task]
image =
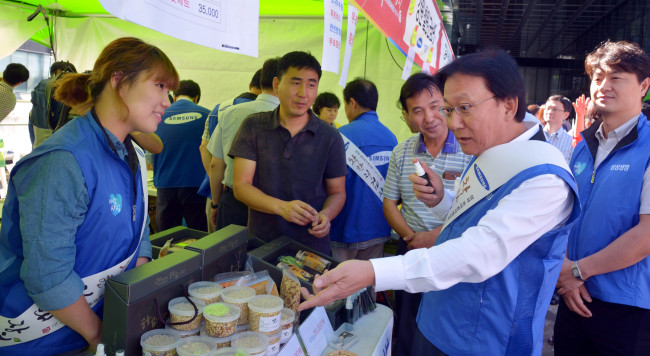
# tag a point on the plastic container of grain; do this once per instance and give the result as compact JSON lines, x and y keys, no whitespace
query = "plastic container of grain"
{"x":230,"y":351}
{"x":221,"y":341}
{"x":221,"y":319}
{"x":252,"y":342}
{"x":274,"y":344}
{"x":286,"y":324}
{"x":196,"y":345}
{"x":264,"y":313}
{"x":242,"y":328}
{"x":208,"y":292}
{"x":239,"y":295}
{"x":181,"y":310}
{"x":184,"y":333}
{"x":159,"y":342}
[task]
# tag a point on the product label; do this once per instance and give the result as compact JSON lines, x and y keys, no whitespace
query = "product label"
{"x":286,"y":334}
{"x":270,"y":323}
{"x":273,"y":349}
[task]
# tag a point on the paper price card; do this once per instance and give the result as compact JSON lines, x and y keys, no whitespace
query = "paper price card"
{"x":315,"y":331}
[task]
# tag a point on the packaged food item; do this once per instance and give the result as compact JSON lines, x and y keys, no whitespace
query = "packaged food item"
{"x":274,"y":344}
{"x":312,"y":260}
{"x":196,"y":345}
{"x":181,"y":310}
{"x":208,"y":292}
{"x":239,"y":295}
{"x":230,"y":351}
{"x":290,"y":289}
{"x":242,"y":328}
{"x":252,"y":342}
{"x":164,"y":251}
{"x":184,"y":333}
{"x":221,"y":319}
{"x":221,"y":341}
{"x":290,"y":260}
{"x":261,"y":282}
{"x":286,"y":324}
{"x":264,"y":313}
{"x":229,"y":279}
{"x":341,"y":353}
{"x":159,"y":342}
{"x":300,"y":273}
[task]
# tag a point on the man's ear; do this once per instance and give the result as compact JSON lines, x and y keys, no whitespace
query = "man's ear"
{"x":276,"y":84}
{"x":510,"y":105}
{"x":645,"y":84}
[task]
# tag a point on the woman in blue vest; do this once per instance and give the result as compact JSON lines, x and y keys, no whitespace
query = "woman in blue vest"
{"x":76,"y":212}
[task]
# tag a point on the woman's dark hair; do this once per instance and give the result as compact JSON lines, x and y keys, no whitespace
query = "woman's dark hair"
{"x":128,"y":56}
{"x":325,"y":100}
{"x":499,"y":71}
{"x":415,"y":84}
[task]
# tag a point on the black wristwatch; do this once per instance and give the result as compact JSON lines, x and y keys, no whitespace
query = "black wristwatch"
{"x":213,"y":205}
{"x":576,"y":272}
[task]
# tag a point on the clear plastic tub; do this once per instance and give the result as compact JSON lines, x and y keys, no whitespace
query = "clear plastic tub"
{"x":230,"y":351}
{"x":208,"y":292}
{"x":221,"y":341}
{"x":252,"y":342}
{"x":239,"y":295}
{"x":274,"y":345}
{"x":181,"y":310}
{"x":185,"y":333}
{"x":242,"y":328}
{"x":264,"y":313}
{"x":286,"y":324}
{"x":159,"y":342}
{"x":196,"y":345}
{"x":221,"y":319}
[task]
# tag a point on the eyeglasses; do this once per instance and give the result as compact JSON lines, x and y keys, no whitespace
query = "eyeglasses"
{"x":554,"y":110}
{"x":462,"y":109}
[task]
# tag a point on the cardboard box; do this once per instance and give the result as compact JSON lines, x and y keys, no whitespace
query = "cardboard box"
{"x":130,"y":298}
{"x":222,"y":251}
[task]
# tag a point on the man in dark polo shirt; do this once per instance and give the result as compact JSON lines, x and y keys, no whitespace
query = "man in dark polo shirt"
{"x":289,"y":166}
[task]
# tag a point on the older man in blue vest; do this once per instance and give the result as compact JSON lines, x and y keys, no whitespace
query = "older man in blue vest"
{"x":490,"y":275}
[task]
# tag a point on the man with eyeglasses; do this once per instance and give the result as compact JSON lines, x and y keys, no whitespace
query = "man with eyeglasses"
{"x":491,"y":273}
{"x":556,"y":110}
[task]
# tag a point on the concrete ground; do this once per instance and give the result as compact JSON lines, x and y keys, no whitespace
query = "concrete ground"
{"x":548,"y":350}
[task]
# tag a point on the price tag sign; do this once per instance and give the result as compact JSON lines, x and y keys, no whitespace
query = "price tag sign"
{"x":292,"y":347}
{"x":315,"y":331}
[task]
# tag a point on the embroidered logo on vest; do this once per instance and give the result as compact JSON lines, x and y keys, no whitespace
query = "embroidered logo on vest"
{"x":115,"y":202}
{"x":579,"y":167}
{"x":481,"y":178}
{"x":620,"y":167}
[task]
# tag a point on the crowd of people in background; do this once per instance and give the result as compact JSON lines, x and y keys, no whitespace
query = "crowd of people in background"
{"x":517,"y":202}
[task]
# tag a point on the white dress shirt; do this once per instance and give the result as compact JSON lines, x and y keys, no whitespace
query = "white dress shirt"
{"x":535,"y":207}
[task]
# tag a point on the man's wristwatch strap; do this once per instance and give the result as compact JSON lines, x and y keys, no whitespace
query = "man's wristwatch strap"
{"x":575,"y":269}
{"x":213,"y":205}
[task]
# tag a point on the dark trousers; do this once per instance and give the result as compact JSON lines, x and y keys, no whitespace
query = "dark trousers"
{"x":613,"y":329}
{"x":421,"y":345}
{"x":231,"y":210}
{"x":174,"y":204}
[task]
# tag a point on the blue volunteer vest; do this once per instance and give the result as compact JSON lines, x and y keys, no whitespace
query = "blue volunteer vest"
{"x":107,"y":236}
{"x":611,"y":206}
{"x":503,"y":315}
{"x":179,"y":164}
{"x":213,"y":119}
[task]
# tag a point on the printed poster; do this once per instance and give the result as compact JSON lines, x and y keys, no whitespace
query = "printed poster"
{"x":333,"y":29}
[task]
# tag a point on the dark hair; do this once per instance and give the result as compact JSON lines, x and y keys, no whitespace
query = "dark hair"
{"x":325,"y":100}
{"x":65,"y":67}
{"x":15,"y":73}
{"x":626,"y":56}
{"x":255,"y":81}
{"x":269,"y":71}
{"x":415,"y":84}
{"x":189,"y":88}
{"x":566,"y":103}
{"x":499,"y":71}
{"x":363,"y":92}
{"x":127,"y":55}
{"x":300,"y":60}
{"x":533,"y":109}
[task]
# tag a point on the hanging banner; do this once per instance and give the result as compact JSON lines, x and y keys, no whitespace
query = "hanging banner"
{"x":226,"y":25}
{"x":353,"y":16}
{"x":416,"y":21}
{"x":332,"y":35}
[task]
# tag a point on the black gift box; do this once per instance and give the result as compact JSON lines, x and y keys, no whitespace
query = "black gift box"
{"x":222,"y":251}
{"x":129,"y":306}
{"x":177,"y":234}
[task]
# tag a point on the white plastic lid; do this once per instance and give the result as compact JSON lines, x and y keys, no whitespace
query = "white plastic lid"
{"x":251,"y":342}
{"x":196,"y":345}
{"x":181,"y":306}
{"x":288,"y":316}
{"x":242,"y":328}
{"x":237,"y":294}
{"x":419,"y":171}
{"x":266,"y":303}
{"x":230,"y":313}
{"x":205,"y":290}
{"x":166,"y":339}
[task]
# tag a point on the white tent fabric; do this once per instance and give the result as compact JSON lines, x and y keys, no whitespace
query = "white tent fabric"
{"x":15,"y":29}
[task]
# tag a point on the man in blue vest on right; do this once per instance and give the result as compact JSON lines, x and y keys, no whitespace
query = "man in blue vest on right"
{"x":492,"y":270}
{"x":605,"y":279}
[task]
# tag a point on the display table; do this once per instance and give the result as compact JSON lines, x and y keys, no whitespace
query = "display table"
{"x":374,"y":331}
